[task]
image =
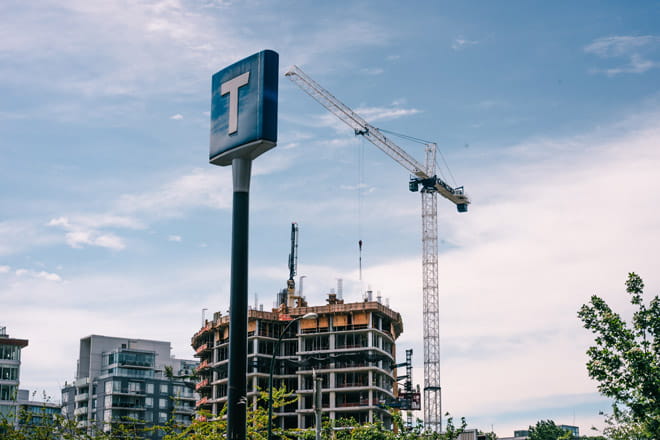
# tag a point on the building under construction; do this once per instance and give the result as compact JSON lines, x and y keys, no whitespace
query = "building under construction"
{"x":350,"y":346}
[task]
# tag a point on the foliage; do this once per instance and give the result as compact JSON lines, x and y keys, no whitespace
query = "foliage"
{"x":626,"y":362}
{"x":207,"y":426}
{"x":54,"y":427}
{"x":488,"y":435}
{"x":548,"y":430}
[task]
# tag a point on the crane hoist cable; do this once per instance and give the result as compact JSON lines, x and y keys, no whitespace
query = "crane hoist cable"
{"x":360,"y":186}
{"x":424,"y":142}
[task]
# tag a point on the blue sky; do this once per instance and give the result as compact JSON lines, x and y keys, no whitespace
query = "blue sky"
{"x":113,"y":222}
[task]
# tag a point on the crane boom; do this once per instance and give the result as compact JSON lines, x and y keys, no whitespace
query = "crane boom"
{"x":362,"y":127}
{"x":431,"y":186}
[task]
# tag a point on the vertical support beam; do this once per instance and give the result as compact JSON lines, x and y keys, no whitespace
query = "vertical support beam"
{"x":432,"y":390}
{"x":238,"y":308}
{"x":318,"y":405}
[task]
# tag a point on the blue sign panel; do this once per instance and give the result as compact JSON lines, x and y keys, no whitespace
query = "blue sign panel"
{"x":244,"y":108}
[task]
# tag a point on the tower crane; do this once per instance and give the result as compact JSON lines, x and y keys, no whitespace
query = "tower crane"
{"x":423,"y":176}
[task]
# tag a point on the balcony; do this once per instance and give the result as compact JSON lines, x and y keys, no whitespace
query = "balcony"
{"x":202,"y":348}
{"x":81,"y":397}
{"x":80,"y":411}
{"x":183,"y":410}
{"x":202,"y":401}
{"x":201,"y":384}
{"x":203,"y":365}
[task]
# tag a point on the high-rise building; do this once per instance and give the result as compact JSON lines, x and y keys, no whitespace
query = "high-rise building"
{"x":10,"y":365}
{"x":129,"y":381}
{"x":350,"y":346}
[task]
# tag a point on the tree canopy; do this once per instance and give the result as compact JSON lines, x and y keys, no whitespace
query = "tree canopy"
{"x":625,"y":361}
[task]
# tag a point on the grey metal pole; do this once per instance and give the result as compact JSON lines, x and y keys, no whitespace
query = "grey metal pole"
{"x":237,"y":382}
{"x":318,"y":404}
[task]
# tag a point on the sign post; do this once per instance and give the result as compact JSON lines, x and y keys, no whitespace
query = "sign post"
{"x":243,"y":126}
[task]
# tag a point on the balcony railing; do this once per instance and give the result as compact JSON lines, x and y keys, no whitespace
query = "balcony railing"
{"x":202,"y":348}
{"x":203,"y":365}
{"x":201,"y":384}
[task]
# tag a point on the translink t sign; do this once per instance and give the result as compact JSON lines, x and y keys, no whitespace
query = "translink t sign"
{"x":244,"y":109}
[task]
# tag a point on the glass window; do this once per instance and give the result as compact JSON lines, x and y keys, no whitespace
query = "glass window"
{"x":150,"y":388}
{"x":162,"y":403}
{"x":148,"y":402}
{"x":7,"y":392}
{"x":8,"y":373}
{"x":134,"y":387}
{"x":163,"y":388}
{"x":162,"y":417}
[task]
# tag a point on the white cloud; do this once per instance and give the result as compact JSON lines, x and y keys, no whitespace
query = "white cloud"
{"x":636,"y":48}
{"x":5,"y":269}
{"x":84,"y":230}
{"x":615,"y":46}
{"x":384,"y":113}
{"x":176,"y":238}
{"x":43,"y":275}
{"x":177,"y":117}
{"x":461,"y":43}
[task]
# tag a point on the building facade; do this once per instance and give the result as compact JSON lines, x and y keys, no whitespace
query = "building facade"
{"x":129,"y":381}
{"x":351,"y":347}
{"x":32,"y":413}
{"x":10,"y":372}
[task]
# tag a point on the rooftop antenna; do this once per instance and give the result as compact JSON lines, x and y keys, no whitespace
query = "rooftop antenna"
{"x":340,"y":288}
{"x":204,"y":316}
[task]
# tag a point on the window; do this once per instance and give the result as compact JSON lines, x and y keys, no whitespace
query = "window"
{"x":162,"y":417}
{"x":134,"y":387}
{"x":7,"y":392}
{"x":163,"y":388}
{"x":162,"y":403}
{"x":150,"y":388}
{"x":8,"y":373}
{"x":148,"y":402}
{"x":10,"y":352}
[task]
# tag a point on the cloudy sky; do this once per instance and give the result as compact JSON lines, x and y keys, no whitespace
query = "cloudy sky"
{"x":112,"y":221}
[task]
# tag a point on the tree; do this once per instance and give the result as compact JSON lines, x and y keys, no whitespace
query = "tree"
{"x":548,"y":430}
{"x":625,"y":361}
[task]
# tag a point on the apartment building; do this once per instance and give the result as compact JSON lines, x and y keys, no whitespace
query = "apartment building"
{"x":10,"y":365}
{"x":350,"y":346}
{"x":124,"y":381}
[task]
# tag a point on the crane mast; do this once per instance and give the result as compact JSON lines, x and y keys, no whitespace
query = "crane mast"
{"x":425,"y":176}
{"x":293,"y":265}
